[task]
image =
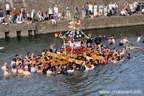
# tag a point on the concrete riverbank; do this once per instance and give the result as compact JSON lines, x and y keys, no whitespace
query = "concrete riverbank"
{"x":16,"y":30}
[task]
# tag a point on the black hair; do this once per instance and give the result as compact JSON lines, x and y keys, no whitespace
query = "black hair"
{"x":39,"y":67}
{"x":14,"y":67}
{"x":16,"y":55}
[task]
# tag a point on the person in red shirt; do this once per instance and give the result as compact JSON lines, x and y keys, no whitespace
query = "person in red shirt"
{"x":14,"y":13}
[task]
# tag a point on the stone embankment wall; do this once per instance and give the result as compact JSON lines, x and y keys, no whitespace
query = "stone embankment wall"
{"x":16,"y":30}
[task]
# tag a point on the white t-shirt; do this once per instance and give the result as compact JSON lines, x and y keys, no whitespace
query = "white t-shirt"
{"x":135,"y":4}
{"x":138,"y":39}
{"x":113,"y":40}
{"x":131,"y":6}
{"x":110,"y":6}
{"x":116,"y":6}
{"x":7,"y":7}
{"x":142,"y":10}
{"x":50,"y":11}
{"x":113,"y":5}
{"x":90,"y":7}
{"x":95,"y":10}
{"x":105,"y":9}
{"x":56,"y":9}
{"x":101,"y":7}
{"x":122,"y":12}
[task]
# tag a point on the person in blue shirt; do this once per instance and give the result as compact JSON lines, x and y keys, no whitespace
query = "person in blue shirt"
{"x":1,"y":14}
{"x":138,"y":7}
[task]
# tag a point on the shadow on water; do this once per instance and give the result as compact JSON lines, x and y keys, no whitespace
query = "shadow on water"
{"x":127,"y":75}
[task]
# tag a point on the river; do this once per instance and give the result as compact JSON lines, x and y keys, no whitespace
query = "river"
{"x":123,"y":76}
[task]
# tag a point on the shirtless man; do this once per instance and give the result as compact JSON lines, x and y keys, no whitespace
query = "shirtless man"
{"x":125,"y":40}
{"x":39,"y":71}
{"x":3,"y":68}
{"x":26,"y":73}
{"x":132,"y":47}
{"x":20,"y":71}
{"x":49,"y":72}
{"x":14,"y":71}
{"x":7,"y":72}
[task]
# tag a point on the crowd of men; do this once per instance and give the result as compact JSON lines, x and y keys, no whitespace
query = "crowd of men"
{"x":89,"y":10}
{"x":35,"y":64}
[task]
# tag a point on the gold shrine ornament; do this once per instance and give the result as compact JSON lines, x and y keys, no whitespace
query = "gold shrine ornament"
{"x":60,"y":35}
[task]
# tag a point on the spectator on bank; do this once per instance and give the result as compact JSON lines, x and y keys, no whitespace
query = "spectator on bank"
{"x":53,"y":21}
{"x":76,"y":12}
{"x":33,"y":14}
{"x":91,"y":15}
{"x":135,"y":5}
{"x":83,"y":11}
{"x":10,"y":20}
{"x":95,"y":10}
{"x":131,"y":6}
{"x":96,"y":14}
{"x":59,"y":16}
{"x":142,"y":5}
{"x":68,"y":13}
{"x":1,"y":15}
{"x":138,"y":7}
{"x":50,"y":12}
{"x":29,"y":20}
{"x":3,"y":21}
{"x":55,"y":12}
{"x":63,"y":16}
{"x":126,"y":6}
{"x":39,"y":16}
{"x":101,"y":9}
{"x":86,"y":8}
{"x":23,"y":13}
{"x":124,"y":12}
{"x":46,"y":16}
{"x":7,"y":7}
{"x":100,"y":14}
{"x":116,"y":8}
{"x":18,"y":20}
{"x":105,"y":10}
{"x":14,"y":13}
{"x":90,"y":8}
{"x":110,"y":7}
{"x":142,"y":11}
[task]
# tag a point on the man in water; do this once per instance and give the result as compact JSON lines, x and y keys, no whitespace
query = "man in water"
{"x":7,"y":72}
{"x":39,"y":71}
{"x":26,"y":72}
{"x":139,"y":38}
{"x":132,"y":47}
{"x":125,"y":40}
{"x":98,"y":40}
{"x":20,"y":71}
{"x":128,"y":56}
{"x":14,"y":71}
{"x":121,"y":43}
{"x":4,"y":66}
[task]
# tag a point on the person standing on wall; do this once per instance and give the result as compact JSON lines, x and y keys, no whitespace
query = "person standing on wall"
{"x":1,"y":15}
{"x":55,"y":12}
{"x":14,"y":13}
{"x":68,"y":13}
{"x":50,"y":12}
{"x":7,"y":7}
{"x":86,"y":8}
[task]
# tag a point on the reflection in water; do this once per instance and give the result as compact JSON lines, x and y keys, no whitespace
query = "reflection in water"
{"x":127,"y":75}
